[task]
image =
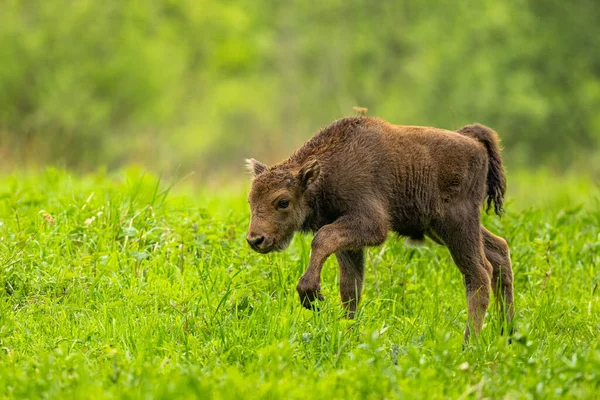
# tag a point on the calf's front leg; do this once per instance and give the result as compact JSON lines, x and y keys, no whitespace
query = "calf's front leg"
{"x":352,"y":271}
{"x":347,"y":235}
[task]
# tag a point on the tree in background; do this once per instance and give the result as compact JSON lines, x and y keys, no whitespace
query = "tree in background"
{"x":201,"y":85}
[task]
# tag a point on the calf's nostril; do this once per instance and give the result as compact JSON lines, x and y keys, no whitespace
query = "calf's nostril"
{"x":255,"y":241}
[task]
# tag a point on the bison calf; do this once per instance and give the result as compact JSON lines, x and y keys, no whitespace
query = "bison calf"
{"x":362,"y":177}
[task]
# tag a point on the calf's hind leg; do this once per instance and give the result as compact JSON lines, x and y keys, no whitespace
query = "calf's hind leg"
{"x":498,"y":254}
{"x":352,"y":270}
{"x":462,"y":236}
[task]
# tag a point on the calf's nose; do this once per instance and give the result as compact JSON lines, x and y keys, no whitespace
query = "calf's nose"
{"x":255,"y":240}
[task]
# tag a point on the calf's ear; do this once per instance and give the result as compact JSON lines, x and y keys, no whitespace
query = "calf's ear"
{"x":255,"y":167}
{"x":309,"y":173}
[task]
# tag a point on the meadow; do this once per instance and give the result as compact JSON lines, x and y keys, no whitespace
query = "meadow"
{"x":121,"y":285}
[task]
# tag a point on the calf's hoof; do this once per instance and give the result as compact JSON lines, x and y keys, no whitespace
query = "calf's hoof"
{"x":308,"y":294}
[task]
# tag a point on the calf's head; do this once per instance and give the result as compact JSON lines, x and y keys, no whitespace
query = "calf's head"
{"x":278,"y":203}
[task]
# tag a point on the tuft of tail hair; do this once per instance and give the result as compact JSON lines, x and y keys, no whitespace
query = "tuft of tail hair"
{"x":496,"y":178}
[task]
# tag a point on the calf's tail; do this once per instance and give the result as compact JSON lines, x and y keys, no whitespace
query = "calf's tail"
{"x":496,"y":178}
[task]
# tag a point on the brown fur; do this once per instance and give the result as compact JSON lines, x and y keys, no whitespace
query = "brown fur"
{"x":362,"y":177}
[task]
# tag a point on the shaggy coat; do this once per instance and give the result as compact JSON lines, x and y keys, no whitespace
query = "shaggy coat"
{"x":360,"y":178}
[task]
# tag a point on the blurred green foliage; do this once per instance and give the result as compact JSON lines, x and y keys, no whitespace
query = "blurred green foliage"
{"x":202,"y":84}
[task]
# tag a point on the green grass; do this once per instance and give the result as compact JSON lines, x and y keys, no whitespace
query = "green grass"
{"x":131,"y":291}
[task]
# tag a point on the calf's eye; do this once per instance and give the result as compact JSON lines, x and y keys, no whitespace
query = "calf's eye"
{"x":283,"y":204}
